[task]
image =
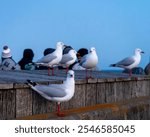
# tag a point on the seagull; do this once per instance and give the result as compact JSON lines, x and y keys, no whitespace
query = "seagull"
{"x":53,"y":58}
{"x":130,"y":62}
{"x":56,"y":92}
{"x":89,"y":60}
{"x":69,"y":57}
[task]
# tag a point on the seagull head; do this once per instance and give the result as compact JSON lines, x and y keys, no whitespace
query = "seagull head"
{"x":138,"y":51}
{"x":92,"y":49}
{"x":70,"y":74}
{"x":60,"y":45}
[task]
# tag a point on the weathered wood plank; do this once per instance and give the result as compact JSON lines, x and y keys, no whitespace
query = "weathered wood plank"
{"x":39,"y":104}
{"x":105,"y":92}
{"x":101,"y":93}
{"x":91,"y":94}
{"x":142,"y":88}
{"x":11,"y":104}
{"x":1,"y":104}
{"x":51,"y":106}
{"x":78,"y":100}
{"x":123,"y":90}
{"x":6,"y":85}
{"x":4,"y":105}
{"x":7,"y":104}
{"x":110,"y":92}
{"x":23,"y":102}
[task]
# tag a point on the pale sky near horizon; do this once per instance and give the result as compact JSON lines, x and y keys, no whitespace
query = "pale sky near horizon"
{"x":114,"y":27}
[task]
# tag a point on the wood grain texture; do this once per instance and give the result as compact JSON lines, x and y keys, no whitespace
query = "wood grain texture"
{"x":23,"y":102}
{"x":7,"y":104}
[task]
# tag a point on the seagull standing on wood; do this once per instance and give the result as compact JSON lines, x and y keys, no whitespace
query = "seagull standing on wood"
{"x":89,"y":60}
{"x":56,"y":92}
{"x":53,"y":58}
{"x":130,"y":62}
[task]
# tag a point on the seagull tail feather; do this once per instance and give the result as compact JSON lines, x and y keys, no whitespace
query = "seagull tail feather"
{"x":113,"y":65}
{"x":31,"y":83}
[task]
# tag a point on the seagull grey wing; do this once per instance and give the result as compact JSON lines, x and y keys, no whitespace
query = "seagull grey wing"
{"x":83,"y":59}
{"x":126,"y":62}
{"x":51,"y":90}
{"x":48,"y":58}
{"x":66,"y":58}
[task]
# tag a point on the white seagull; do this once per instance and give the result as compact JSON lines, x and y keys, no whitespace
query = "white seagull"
{"x":53,"y":58}
{"x":68,"y":58}
{"x":130,"y":62}
{"x":89,"y":60}
{"x":56,"y":92}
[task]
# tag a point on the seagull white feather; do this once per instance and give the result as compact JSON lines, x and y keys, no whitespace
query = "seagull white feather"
{"x":90,"y":60}
{"x":130,"y":62}
{"x":56,"y":92}
{"x":69,"y":58}
{"x":53,"y":58}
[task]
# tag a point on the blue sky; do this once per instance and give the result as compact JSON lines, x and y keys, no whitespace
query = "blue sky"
{"x":114,"y":27}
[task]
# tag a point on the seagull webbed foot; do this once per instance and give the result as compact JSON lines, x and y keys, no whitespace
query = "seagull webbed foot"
{"x":60,"y":114}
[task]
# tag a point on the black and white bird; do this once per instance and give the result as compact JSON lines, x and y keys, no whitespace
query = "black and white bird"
{"x":90,"y":60}
{"x":69,"y":57}
{"x":56,"y":92}
{"x":130,"y":62}
{"x":53,"y":58}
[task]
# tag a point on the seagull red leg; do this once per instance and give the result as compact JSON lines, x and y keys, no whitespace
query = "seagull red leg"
{"x":66,"y":69}
{"x":130,"y":74}
{"x":91,"y":73}
{"x":59,"y":114}
{"x":58,"y":108}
